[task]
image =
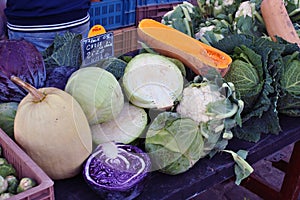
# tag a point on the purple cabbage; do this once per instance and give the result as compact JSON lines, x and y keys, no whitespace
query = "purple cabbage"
{"x":118,"y":176}
{"x":22,"y":59}
{"x":58,"y":76}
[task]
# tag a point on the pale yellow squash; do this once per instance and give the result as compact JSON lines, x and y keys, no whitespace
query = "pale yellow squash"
{"x":53,"y":130}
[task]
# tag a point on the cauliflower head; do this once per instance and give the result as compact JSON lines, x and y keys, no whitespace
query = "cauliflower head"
{"x":196,"y":100}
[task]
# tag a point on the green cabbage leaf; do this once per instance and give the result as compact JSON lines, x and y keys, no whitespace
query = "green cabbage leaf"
{"x":264,"y":58}
{"x":289,"y":101}
{"x":174,"y":144}
{"x":64,"y":51}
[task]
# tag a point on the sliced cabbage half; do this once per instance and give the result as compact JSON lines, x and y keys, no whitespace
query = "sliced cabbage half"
{"x":125,"y":128}
{"x":152,"y":81}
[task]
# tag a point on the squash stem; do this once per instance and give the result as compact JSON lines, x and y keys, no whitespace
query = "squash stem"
{"x":38,"y":96}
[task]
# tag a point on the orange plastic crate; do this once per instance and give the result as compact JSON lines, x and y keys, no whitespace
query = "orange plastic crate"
{"x":26,"y":167}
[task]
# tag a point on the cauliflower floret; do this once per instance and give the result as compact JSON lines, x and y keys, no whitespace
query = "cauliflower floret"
{"x":203,"y":30}
{"x":245,"y":9}
{"x":228,"y":2}
{"x":195,"y":100}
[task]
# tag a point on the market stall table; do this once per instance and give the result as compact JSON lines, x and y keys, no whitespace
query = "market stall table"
{"x":205,"y":174}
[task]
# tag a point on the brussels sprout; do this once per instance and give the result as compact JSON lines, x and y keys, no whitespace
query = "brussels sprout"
{"x":7,"y":169}
{"x":3,"y":161}
{"x":25,"y":184}
{"x":13,"y":183}
{"x":5,"y":196}
{"x":3,"y":185}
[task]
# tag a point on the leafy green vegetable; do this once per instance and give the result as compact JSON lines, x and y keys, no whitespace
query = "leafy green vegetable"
{"x":152,"y":81}
{"x":246,"y":73}
{"x":201,"y":126}
{"x":211,"y":21}
{"x":242,"y":169}
{"x":174,"y":144}
{"x":123,"y":128}
{"x":117,"y":171}
{"x":182,"y":18}
{"x":7,"y":116}
{"x":64,"y":51}
{"x":113,"y":65}
{"x":98,"y":92}
{"x":289,"y":100}
{"x":260,"y":114}
{"x":293,"y":9}
{"x":248,"y":20}
{"x":58,"y":76}
{"x":261,"y":69}
{"x":215,"y":107}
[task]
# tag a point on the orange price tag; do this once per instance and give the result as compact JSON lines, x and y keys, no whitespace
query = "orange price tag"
{"x":96,"y":30}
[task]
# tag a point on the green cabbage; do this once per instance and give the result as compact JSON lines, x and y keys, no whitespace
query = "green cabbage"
{"x":7,"y":117}
{"x":98,"y":92}
{"x":124,"y":128}
{"x":246,"y":73}
{"x":64,"y":51}
{"x":174,"y":144}
{"x":114,"y":65}
{"x":289,"y":100}
{"x":256,"y":61}
{"x":152,"y":81}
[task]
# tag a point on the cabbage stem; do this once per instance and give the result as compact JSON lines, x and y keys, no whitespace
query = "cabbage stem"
{"x":38,"y":96}
{"x":229,"y":114}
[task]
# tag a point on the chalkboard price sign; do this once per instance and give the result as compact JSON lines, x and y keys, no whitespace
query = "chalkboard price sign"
{"x":97,"y":48}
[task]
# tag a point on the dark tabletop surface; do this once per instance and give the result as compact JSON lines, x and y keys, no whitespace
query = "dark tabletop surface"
{"x":204,"y":174}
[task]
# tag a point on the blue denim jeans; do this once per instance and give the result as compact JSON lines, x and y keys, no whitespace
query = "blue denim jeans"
{"x":42,"y":40}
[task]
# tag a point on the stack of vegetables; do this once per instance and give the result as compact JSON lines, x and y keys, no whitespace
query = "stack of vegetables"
{"x":10,"y":184}
{"x":173,"y":103}
{"x":102,"y":115}
{"x":262,"y":38}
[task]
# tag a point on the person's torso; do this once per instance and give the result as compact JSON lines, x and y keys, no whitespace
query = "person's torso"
{"x":45,"y":12}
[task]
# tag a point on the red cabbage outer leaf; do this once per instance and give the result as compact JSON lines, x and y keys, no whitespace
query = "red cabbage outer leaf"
{"x":119,"y":177}
{"x":58,"y":76}
{"x":22,"y":59}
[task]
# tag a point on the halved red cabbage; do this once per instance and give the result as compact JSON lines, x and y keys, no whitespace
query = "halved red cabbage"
{"x":22,"y":59}
{"x":117,"y":171}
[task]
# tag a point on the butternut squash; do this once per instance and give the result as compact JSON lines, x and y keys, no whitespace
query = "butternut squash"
{"x":194,"y":54}
{"x":53,"y":130}
{"x":278,"y":22}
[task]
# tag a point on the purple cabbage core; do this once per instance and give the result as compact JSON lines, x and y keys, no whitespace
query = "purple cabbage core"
{"x":121,"y":172}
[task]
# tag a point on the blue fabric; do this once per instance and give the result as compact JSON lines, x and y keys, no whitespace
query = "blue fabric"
{"x":44,"y":12}
{"x":42,"y":40}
